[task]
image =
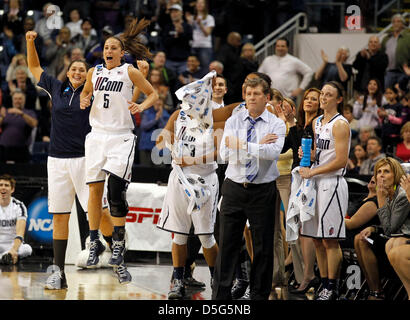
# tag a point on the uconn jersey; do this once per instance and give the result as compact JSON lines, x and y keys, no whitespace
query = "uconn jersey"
{"x":193,"y":142}
{"x":9,"y":215}
{"x":111,"y":91}
{"x":325,"y":144}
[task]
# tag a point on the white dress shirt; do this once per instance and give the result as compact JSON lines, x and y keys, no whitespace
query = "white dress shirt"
{"x":267,"y":154}
{"x":284,"y":73}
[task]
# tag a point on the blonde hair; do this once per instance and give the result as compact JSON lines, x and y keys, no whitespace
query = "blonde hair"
{"x":406,"y":127}
{"x":395,"y":166}
{"x":290,"y":101}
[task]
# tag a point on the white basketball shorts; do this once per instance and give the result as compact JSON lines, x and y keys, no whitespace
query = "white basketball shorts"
{"x":66,"y":178}
{"x":109,"y":153}
{"x":174,"y":216}
{"x":331,"y":206}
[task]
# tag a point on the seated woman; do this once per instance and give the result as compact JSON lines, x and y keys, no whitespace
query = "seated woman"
{"x":394,"y":217}
{"x":403,"y":148}
{"x":361,"y":215}
{"x":354,"y":163}
{"x":398,"y":249}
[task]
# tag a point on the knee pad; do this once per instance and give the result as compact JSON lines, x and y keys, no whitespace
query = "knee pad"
{"x":117,"y":190}
{"x":207,"y":240}
{"x":180,"y":239}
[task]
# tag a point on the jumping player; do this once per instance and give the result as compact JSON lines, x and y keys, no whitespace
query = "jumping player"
{"x":110,"y":146}
{"x":332,"y":145}
{"x":66,"y":161}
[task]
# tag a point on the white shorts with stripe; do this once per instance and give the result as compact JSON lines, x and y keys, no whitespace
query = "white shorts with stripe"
{"x":109,"y":153}
{"x":66,"y":178}
{"x":174,"y":216}
{"x":331,"y":206}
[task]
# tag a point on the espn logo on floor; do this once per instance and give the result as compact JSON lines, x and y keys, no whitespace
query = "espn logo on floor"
{"x":138,"y":214}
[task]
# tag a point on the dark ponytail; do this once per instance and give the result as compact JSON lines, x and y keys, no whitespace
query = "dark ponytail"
{"x":129,"y":40}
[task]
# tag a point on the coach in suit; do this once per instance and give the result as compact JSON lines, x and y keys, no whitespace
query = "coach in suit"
{"x":252,"y":141}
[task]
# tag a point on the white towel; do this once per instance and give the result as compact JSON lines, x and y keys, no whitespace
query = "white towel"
{"x":195,"y":188}
{"x":302,"y":204}
{"x":196,"y":100}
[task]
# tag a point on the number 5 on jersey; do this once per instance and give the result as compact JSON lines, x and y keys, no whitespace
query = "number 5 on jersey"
{"x":106,"y":100}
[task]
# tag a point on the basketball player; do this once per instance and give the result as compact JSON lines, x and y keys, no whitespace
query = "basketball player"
{"x":332,"y":145}
{"x":13,"y":216}
{"x":66,"y":161}
{"x":110,"y":146}
{"x":198,"y":156}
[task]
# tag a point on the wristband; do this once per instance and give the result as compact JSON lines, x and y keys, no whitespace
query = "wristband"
{"x":19,"y":237}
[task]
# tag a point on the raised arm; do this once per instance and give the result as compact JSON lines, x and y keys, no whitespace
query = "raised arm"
{"x":86,"y":94}
{"x":167,"y":134}
{"x":139,"y":81}
{"x":32,"y":56}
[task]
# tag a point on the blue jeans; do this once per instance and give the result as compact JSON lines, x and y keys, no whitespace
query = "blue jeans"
{"x":392,"y":77}
{"x":177,"y":66}
{"x":205,"y":56}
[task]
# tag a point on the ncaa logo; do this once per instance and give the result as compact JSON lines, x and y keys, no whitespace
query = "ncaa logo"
{"x":40,"y":226}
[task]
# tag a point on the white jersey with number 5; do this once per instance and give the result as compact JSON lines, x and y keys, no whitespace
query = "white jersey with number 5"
{"x":325,"y":144}
{"x":111,"y":91}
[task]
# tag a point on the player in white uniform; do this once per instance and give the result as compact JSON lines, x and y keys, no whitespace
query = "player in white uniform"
{"x":109,"y":147}
{"x":332,"y":145}
{"x":13,"y":216}
{"x":194,"y":153}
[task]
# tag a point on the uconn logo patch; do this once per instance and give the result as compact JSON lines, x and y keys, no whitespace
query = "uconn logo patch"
{"x":103,"y":84}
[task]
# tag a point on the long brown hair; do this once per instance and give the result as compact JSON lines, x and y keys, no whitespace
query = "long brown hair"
{"x":301,"y":112}
{"x":129,"y":40}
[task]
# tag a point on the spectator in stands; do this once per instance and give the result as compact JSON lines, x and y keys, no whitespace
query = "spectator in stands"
{"x":364,"y":134}
{"x":248,"y":60}
{"x":353,"y":123}
{"x":152,"y":119}
{"x":24,"y":84}
{"x":396,"y":45}
{"x":361,"y":214}
{"x":19,"y":59}
{"x":155,"y":77}
{"x":393,"y":212}
{"x":6,"y":41}
{"x":373,"y":149}
{"x":106,"y":13}
{"x":74,"y":54}
{"x":56,"y":51}
{"x":202,"y":25}
{"x":403,"y":148}
{"x":370,"y":63}
{"x":176,"y":37}
{"x":159,"y":62}
{"x":390,"y":117}
{"x":14,"y":17}
{"x":13,"y":216}
{"x":75,"y":23}
{"x":398,"y":249}
{"x":366,"y":106}
{"x":86,"y":39}
{"x":29,"y":25}
{"x":355,"y":162}
{"x":219,"y":90}
{"x":17,"y":124}
{"x":308,"y":110}
{"x":217,"y":66}
{"x":284,"y":70}
{"x":192,"y":73}
{"x":95,"y":56}
{"x":42,"y":25}
{"x":338,"y":71}
{"x":229,"y":56}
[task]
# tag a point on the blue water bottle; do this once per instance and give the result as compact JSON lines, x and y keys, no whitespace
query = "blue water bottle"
{"x":307,"y":149}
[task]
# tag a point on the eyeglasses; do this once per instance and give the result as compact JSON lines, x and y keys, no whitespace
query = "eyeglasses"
{"x":372,"y":182}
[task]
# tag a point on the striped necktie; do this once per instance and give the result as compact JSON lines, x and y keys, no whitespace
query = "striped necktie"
{"x":252,"y":164}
